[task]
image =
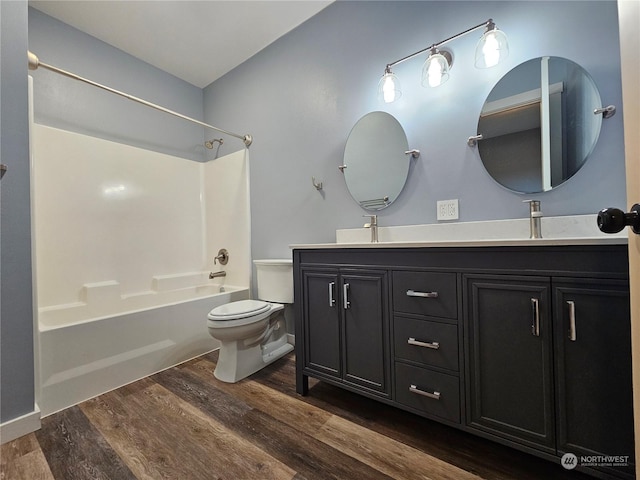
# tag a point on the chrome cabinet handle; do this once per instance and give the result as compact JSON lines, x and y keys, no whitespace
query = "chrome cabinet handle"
{"x":572,"y":320}
{"x":412,"y":293}
{"x":417,"y":391}
{"x":332,"y":301}
{"x":413,"y":341}
{"x":345,"y":293}
{"x":535,"y":325}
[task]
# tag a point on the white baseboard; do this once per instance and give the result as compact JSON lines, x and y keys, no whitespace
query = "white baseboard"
{"x":20,"y":426}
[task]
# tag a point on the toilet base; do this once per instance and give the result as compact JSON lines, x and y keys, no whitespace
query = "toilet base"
{"x":237,"y":361}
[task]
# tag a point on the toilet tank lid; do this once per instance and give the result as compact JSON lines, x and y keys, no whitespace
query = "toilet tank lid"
{"x":274,"y":261}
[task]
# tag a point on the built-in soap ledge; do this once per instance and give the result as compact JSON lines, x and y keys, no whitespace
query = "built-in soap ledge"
{"x":100,"y":294}
{"x":106,"y":298}
{"x":163,"y":283}
{"x":559,"y":230}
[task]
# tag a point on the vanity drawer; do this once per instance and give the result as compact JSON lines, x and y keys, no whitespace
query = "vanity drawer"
{"x":431,"y":343}
{"x":425,"y":293}
{"x":430,"y":392}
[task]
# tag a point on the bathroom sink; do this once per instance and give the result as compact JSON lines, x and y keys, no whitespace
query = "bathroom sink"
{"x":566,"y":230}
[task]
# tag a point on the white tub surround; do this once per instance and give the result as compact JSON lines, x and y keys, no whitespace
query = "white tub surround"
{"x":108,"y":212}
{"x":124,"y":241}
{"x":84,"y":359}
{"x":104,"y":299}
{"x":565,"y":230}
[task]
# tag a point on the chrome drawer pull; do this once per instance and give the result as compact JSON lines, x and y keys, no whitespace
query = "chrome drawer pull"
{"x":413,"y":341}
{"x":417,"y":391}
{"x":412,"y":293}
{"x":572,"y":320}
{"x":535,"y":321}
{"x":345,"y":296}
{"x":332,"y":301}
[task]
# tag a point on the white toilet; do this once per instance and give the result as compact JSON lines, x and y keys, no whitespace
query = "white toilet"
{"x":252,"y":333}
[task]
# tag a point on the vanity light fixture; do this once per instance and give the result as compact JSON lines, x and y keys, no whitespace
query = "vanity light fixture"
{"x":435,"y":70}
{"x":491,"y":50}
{"x":389,"y":86}
{"x":492,"y":47}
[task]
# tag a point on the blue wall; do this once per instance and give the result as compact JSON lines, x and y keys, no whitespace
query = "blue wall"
{"x":301,"y":96}
{"x":65,"y":103}
{"x":71,"y":105}
{"x":16,"y":314}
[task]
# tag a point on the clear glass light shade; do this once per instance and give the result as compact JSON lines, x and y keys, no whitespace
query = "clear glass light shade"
{"x":492,"y":48}
{"x":435,"y":70}
{"x":389,"y":88}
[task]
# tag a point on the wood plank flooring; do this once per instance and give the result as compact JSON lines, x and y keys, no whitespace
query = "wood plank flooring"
{"x":185,"y":424}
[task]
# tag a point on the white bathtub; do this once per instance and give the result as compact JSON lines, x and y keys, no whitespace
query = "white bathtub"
{"x":82,"y":357}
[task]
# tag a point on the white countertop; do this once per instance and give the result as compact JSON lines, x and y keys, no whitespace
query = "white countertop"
{"x":510,"y":242}
{"x":556,"y":231}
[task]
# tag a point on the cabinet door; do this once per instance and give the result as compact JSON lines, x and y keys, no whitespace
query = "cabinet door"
{"x":321,"y":319}
{"x":593,"y":361}
{"x":510,"y":376}
{"x":365,"y":329}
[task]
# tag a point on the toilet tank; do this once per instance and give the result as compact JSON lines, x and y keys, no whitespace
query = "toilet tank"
{"x":274,"y":278}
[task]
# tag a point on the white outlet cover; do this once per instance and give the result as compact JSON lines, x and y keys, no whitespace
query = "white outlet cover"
{"x":447,"y":209}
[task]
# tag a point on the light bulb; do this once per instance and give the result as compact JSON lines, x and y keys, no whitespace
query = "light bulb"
{"x":389,"y":88}
{"x":435,"y":70}
{"x":492,"y":48}
{"x":435,"y":74}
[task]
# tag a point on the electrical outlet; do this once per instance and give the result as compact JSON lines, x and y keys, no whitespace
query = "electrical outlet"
{"x":447,"y":209}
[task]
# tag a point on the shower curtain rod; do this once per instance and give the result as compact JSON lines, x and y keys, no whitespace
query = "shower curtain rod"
{"x":34,"y":63}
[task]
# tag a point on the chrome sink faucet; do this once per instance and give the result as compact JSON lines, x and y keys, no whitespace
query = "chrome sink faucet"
{"x":373,"y":225}
{"x":535,"y":218}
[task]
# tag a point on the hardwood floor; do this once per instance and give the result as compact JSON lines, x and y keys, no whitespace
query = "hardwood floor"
{"x":184,"y":424}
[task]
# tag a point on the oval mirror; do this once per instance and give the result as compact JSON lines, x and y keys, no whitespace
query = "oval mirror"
{"x":375,"y":165}
{"x":538,"y":126}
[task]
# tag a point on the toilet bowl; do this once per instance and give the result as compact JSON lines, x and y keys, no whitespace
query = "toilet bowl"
{"x":252,"y":333}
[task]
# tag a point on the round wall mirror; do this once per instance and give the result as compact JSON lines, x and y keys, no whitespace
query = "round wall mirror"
{"x":538,"y":124}
{"x":375,"y":165}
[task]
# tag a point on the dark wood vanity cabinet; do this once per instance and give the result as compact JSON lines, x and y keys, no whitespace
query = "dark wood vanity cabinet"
{"x":549,"y":363}
{"x":525,"y":345}
{"x":509,"y":355}
{"x":346,"y":323}
{"x":426,"y":343}
{"x":592,"y":351}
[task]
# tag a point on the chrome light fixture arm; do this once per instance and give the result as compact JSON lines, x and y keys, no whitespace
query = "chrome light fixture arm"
{"x":491,"y":49}
{"x":489,"y":24}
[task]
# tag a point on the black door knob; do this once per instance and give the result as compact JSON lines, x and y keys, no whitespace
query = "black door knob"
{"x":612,"y":220}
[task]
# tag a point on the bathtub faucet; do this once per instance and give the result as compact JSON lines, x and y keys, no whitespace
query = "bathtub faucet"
{"x":221,"y":273}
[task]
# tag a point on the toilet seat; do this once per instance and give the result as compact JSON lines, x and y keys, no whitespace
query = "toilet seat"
{"x":238,"y":310}
{"x":230,"y":315}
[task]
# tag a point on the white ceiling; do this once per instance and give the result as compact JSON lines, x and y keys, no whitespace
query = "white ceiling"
{"x":197,"y":41}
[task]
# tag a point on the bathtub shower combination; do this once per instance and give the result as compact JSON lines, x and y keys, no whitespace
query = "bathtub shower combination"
{"x":124,"y":241}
